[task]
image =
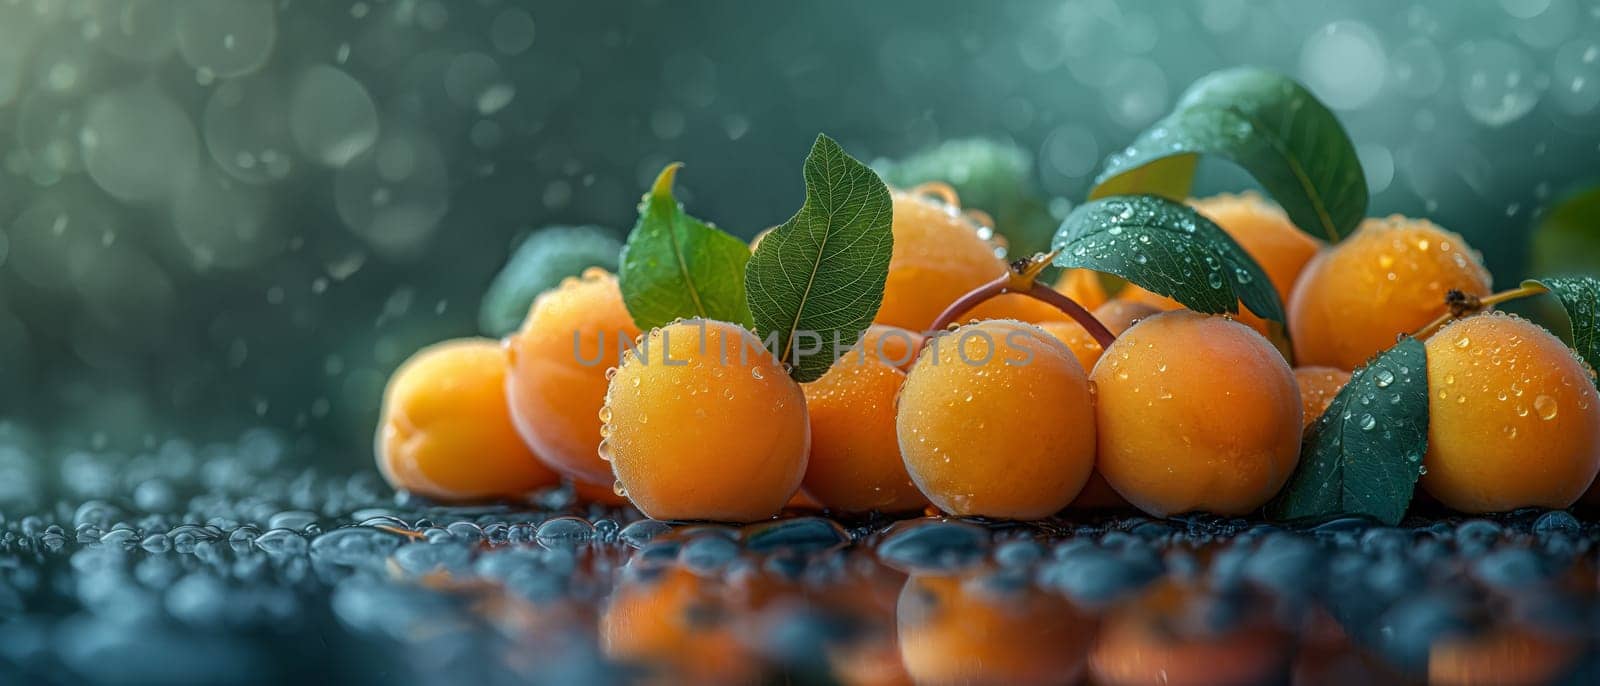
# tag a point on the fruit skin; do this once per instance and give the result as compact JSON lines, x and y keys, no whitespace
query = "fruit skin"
{"x":1318,"y":387}
{"x":445,"y":432}
{"x":1116,"y":315}
{"x":988,"y":438}
{"x":1387,"y":278}
{"x":705,"y":424}
{"x":1539,"y":446}
{"x":855,"y":463}
{"x":1083,"y":286}
{"x":1196,"y":413}
{"x":938,"y":257}
{"x":556,"y":386}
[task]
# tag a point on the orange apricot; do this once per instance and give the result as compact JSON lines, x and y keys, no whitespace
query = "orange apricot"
{"x":1318,"y":387}
{"x":855,"y":463}
{"x":445,"y":431}
{"x":1196,"y":413}
{"x":1077,"y":339}
{"x":600,"y":495}
{"x":559,"y":358}
{"x":1514,"y":420}
{"x":704,"y":423}
{"x":939,"y":256}
{"x":961,"y":630}
{"x":1387,"y":278}
{"x":1083,"y":286}
{"x":996,"y":420}
{"x":679,"y":625}
{"x":1118,"y":313}
{"x":1265,"y":232}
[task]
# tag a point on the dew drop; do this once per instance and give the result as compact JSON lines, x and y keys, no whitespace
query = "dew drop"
{"x":1368,"y":422}
{"x":1384,"y":378}
{"x":1546,"y":406}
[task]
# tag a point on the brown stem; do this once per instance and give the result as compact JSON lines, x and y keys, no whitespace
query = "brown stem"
{"x":1022,"y":279}
{"x":1463,"y":304}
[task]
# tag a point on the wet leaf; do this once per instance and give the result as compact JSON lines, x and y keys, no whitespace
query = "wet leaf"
{"x":1365,"y":454}
{"x":1580,"y":297}
{"x":819,"y":276}
{"x":1567,"y":239}
{"x":538,"y":264}
{"x":990,"y":175}
{"x":1169,"y":249}
{"x":1264,"y":122}
{"x":675,"y":266}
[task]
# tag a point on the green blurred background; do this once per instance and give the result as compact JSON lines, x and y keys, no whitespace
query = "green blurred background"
{"x":218,"y":214}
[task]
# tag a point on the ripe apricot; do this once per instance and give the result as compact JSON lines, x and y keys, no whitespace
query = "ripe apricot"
{"x":1387,"y":278}
{"x":1318,"y":387}
{"x":1514,"y":420}
{"x":445,"y":431}
{"x":1083,"y":286}
{"x":704,"y":423}
{"x":996,"y":420}
{"x":855,"y":461}
{"x":967,"y":630}
{"x":1196,"y":412}
{"x":1116,"y":315}
{"x":939,"y":256}
{"x":558,"y":382}
{"x":1265,"y":232}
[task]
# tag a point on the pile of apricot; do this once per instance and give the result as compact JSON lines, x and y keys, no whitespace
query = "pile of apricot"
{"x":1016,"y":412}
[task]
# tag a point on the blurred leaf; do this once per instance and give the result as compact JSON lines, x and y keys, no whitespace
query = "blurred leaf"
{"x":990,"y":175}
{"x":1266,"y":123}
{"x":675,"y":266}
{"x":1567,"y":240}
{"x":822,"y":272}
{"x":1580,"y":297}
{"x":1169,"y":249}
{"x":538,"y":264}
{"x":1365,"y":454}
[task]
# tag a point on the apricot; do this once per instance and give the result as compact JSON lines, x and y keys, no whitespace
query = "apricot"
{"x":939,"y":256}
{"x":1513,"y":421}
{"x":962,"y":630}
{"x":1196,"y":413}
{"x":559,"y":358}
{"x":996,"y":420}
{"x":855,"y":461}
{"x":1318,"y":387}
{"x":1083,"y":286}
{"x":1116,"y":315}
{"x":680,"y":625}
{"x":597,"y":494}
{"x":702,"y":422}
{"x":445,"y":432}
{"x":1387,"y":278}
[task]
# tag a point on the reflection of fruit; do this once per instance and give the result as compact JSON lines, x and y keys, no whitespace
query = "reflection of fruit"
{"x":679,"y":626}
{"x":1504,"y":655}
{"x":1318,"y":387}
{"x":996,"y":420}
{"x":1196,"y":413}
{"x":938,"y":257}
{"x":1389,"y":277}
{"x":1151,"y":642}
{"x":956,"y":630}
{"x":706,"y":424}
{"x":1514,"y":420}
{"x":855,"y":463}
{"x":445,"y":431}
{"x":559,"y":360}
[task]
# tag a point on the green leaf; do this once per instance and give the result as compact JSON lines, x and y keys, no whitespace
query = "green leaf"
{"x":1365,"y":454}
{"x":1580,"y":297}
{"x":538,"y":264}
{"x":675,"y":266}
{"x":990,"y":175}
{"x":1169,"y":249}
{"x":818,"y":279}
{"x":1264,"y":122}
{"x":1567,"y":239}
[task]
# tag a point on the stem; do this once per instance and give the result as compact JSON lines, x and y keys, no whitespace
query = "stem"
{"x":1463,"y":304}
{"x":1022,"y":279}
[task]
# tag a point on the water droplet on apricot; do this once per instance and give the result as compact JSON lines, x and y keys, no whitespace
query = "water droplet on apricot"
{"x":1546,"y":406}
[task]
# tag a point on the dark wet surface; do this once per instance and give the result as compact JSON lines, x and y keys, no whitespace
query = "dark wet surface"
{"x":218,"y":564}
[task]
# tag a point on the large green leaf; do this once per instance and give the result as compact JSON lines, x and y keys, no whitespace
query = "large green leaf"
{"x":991,"y":175}
{"x":1580,"y":297}
{"x":1264,"y":122}
{"x":1567,"y":239}
{"x":817,"y":280}
{"x":1365,"y":454}
{"x":539,"y":264}
{"x":676,"y":266}
{"x":1167,"y":248}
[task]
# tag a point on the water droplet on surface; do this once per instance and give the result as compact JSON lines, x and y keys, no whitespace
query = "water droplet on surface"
{"x":1546,"y":406}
